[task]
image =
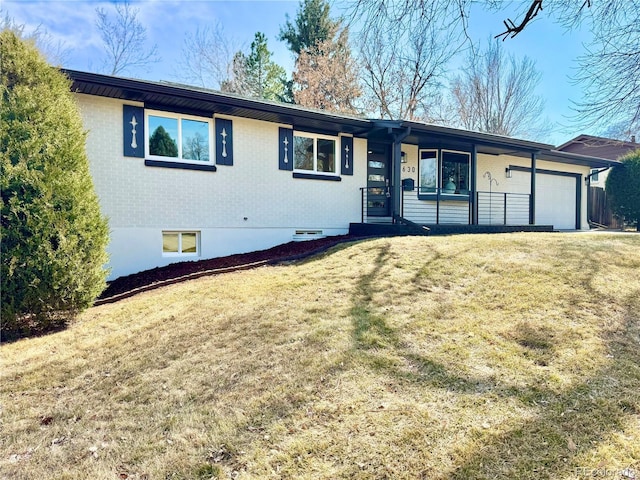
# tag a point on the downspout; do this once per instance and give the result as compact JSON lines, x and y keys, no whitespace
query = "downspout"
{"x":396,"y":162}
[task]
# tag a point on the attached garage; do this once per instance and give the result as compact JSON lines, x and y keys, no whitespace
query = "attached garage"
{"x":557,"y":201}
{"x":558,"y":196}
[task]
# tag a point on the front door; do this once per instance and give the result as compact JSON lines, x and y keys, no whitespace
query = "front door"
{"x":378,"y":181}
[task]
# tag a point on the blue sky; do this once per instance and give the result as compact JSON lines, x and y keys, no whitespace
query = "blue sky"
{"x":168,"y":21}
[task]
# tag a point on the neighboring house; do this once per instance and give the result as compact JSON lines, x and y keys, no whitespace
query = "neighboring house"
{"x":598,"y":209}
{"x":599,"y":147}
{"x":186,"y":173}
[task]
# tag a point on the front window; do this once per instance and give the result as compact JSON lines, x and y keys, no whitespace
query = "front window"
{"x":446,"y":170}
{"x":178,"y":137}
{"x":455,"y":172}
{"x":428,"y":171}
{"x":179,"y":243}
{"x":314,"y":153}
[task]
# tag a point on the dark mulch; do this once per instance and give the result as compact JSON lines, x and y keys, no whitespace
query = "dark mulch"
{"x":129,"y":285}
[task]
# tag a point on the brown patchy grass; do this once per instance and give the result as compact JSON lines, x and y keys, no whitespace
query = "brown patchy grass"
{"x":503,"y":356}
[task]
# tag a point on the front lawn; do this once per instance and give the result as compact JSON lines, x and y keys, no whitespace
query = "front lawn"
{"x":465,"y":357}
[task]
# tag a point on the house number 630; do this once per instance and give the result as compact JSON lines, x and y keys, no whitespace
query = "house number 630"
{"x":409,"y":169}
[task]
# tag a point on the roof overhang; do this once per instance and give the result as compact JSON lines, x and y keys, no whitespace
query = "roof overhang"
{"x":209,"y":102}
{"x":202,"y":101}
{"x":427,"y":135}
{"x":577,"y":159}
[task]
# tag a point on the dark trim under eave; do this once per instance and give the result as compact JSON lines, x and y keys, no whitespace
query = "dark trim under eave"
{"x":189,"y":98}
{"x":167,"y":94}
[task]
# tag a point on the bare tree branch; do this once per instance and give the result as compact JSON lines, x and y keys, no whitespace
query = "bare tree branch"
{"x":496,"y":94}
{"x":207,"y":57}
{"x":609,"y":70}
{"x":404,"y":54}
{"x":513,"y":29}
{"x":56,"y":52}
{"x":124,"y":40}
{"x":326,"y":75}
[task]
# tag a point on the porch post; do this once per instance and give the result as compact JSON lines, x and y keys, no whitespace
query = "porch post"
{"x":396,"y":185}
{"x":396,"y":177}
{"x":532,"y":196}
{"x":472,"y":187}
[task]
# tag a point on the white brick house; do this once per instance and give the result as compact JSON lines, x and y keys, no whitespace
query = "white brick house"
{"x":186,"y":174}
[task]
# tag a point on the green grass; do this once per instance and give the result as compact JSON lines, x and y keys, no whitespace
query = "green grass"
{"x":464,"y":357}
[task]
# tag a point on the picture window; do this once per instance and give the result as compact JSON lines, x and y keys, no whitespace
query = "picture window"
{"x":314,"y":153}
{"x":178,"y":137}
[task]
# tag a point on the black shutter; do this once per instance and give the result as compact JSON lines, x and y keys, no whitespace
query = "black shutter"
{"x":346,"y":155}
{"x":285,"y":156}
{"x":133,"y":131}
{"x":224,"y":141}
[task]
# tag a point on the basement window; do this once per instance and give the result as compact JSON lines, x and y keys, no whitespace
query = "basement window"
{"x":302,"y":235}
{"x":180,"y":243}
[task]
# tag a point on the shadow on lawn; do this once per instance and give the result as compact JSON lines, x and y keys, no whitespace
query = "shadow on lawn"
{"x":568,"y":424}
{"x":371,"y":334}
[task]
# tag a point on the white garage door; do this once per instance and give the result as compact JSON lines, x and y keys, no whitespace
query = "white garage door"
{"x":556,"y":201}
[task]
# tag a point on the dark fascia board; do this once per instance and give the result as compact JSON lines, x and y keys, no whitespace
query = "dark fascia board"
{"x":139,"y":90}
{"x":504,"y":145}
{"x":212,"y":101}
{"x":475,"y":138}
{"x":569,"y":158}
{"x":577,"y":159}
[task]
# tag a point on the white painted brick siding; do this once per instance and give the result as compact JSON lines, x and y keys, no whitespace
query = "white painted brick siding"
{"x":142,"y":201}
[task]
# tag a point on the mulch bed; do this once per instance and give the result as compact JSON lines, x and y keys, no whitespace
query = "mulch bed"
{"x":129,"y":285}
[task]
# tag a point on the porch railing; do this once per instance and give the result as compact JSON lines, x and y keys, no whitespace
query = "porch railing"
{"x":502,"y":208}
{"x":436,"y":207}
{"x":491,"y":208}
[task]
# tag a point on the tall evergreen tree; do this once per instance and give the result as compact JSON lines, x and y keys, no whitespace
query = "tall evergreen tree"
{"x":53,"y":234}
{"x":325,"y":75}
{"x":255,"y":74}
{"x":312,"y":25}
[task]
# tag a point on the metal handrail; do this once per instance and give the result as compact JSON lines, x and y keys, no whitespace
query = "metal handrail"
{"x":477,"y":201}
{"x":501,"y":200}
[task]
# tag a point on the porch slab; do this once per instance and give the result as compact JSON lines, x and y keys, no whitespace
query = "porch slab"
{"x":368,"y":229}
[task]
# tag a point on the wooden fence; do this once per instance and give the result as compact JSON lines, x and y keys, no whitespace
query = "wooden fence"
{"x":599,"y":209}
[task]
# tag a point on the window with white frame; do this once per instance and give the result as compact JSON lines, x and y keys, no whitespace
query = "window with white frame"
{"x":175,"y":137}
{"x":314,"y":153}
{"x":180,"y":243}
